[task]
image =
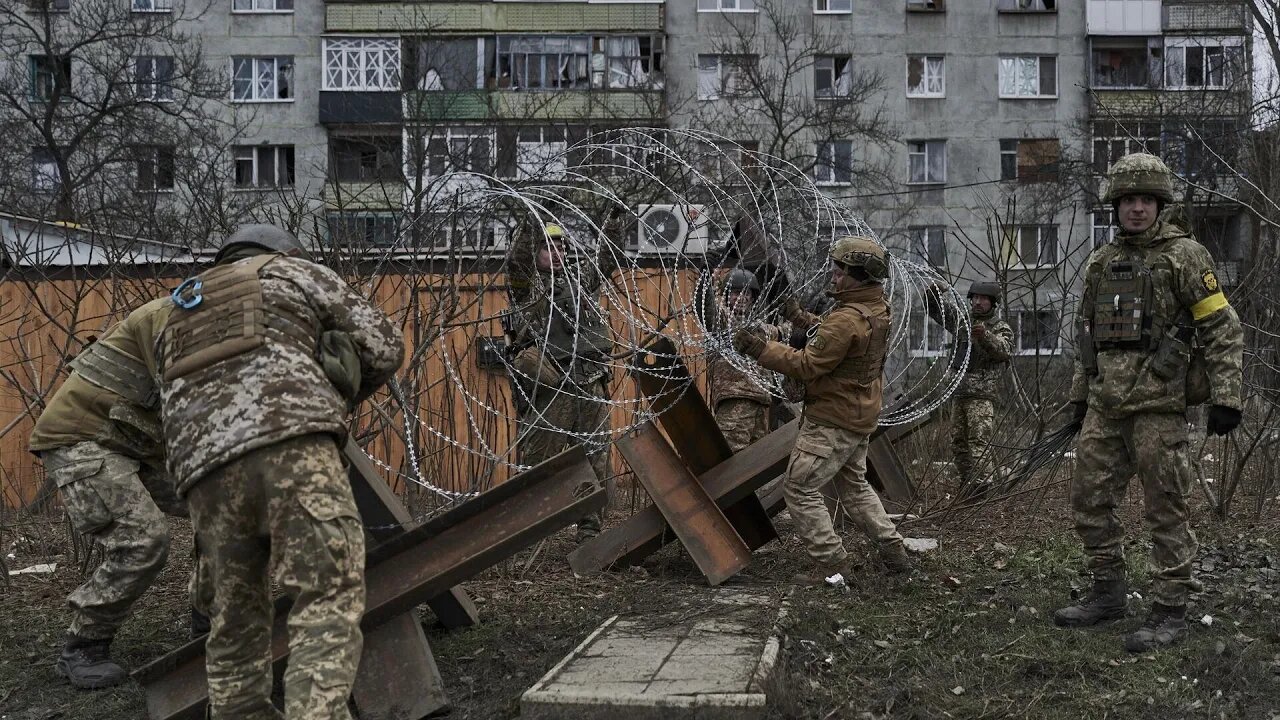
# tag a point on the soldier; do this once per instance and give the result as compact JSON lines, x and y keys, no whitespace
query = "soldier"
{"x":741,"y":406}
{"x":561,"y":345}
{"x":1152,"y":315}
{"x":99,"y":438}
{"x":262,"y":358}
{"x":990,"y":345}
{"x":842,"y":368}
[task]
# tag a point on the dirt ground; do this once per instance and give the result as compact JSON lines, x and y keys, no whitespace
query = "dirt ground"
{"x":970,"y":637}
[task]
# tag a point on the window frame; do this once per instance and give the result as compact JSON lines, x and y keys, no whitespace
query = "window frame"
{"x":546,"y":136}
{"x":155,"y":84}
{"x":831,"y":163}
{"x":56,"y":75}
{"x":1108,"y":226}
{"x":1040,"y":228}
{"x":924,"y":76}
{"x":255,"y":75}
{"x":390,"y":71}
{"x":834,"y":95}
{"x":819,"y":11}
{"x":45,"y":183}
{"x":727,"y":84}
{"x":1039,"y":65}
{"x":380,"y":152}
{"x":1230,"y":46}
{"x":255,"y":10}
{"x":923,"y":238}
{"x":450,"y":135}
{"x":371,"y":218}
{"x":720,"y":6}
{"x":1005,"y":152}
{"x":922,"y":6}
{"x":156,"y":6}
{"x":1143,"y":141}
{"x":277,"y":159}
{"x":925,"y":153}
{"x":1018,"y":317}
{"x":1011,"y":7}
{"x":153,"y":158}
{"x":920,"y":322}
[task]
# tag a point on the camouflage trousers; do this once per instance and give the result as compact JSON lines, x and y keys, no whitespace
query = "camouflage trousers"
{"x":972,"y":421}
{"x":1155,"y":446}
{"x":551,"y":419}
{"x":742,"y":421}
{"x":285,"y":508}
{"x":826,"y":454}
{"x":106,"y":500}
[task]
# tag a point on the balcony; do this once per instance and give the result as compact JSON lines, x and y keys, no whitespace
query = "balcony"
{"x":564,"y":105}
{"x":368,"y":195}
{"x":351,"y":108}
{"x":449,"y":17}
{"x":1129,"y":102}
{"x":1123,"y":17}
{"x":1227,"y":17}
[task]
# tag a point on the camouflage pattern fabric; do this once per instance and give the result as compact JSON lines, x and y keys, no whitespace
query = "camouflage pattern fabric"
{"x":829,"y":454}
{"x":285,"y":512}
{"x":572,"y":405}
{"x":1155,"y":446}
{"x":989,"y":351}
{"x":278,"y":390}
{"x":972,"y":423}
{"x":106,"y":500}
{"x":742,"y":422}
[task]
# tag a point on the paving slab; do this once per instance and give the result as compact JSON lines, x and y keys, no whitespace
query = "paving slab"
{"x":708,"y":663}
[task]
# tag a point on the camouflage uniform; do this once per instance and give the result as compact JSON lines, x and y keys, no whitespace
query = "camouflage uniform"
{"x":740,"y":405}
{"x":561,"y":371}
{"x":99,"y":439}
{"x":973,"y":412}
{"x":252,"y":423}
{"x":1137,"y":395}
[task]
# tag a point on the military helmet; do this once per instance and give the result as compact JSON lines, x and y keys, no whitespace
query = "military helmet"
{"x":863,"y":252}
{"x":267,"y":237}
{"x":553,"y":231}
{"x":742,"y":279}
{"x":1139,"y":174}
{"x":986,"y":289}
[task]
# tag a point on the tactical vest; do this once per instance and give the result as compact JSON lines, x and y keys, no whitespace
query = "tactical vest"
{"x":575,"y":326}
{"x":867,"y":366}
{"x":230,"y":319}
{"x":114,"y":370}
{"x":1122,"y":310}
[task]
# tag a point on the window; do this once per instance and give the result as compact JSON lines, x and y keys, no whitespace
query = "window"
{"x":153,"y":76}
{"x":455,"y":232}
{"x":628,"y":61}
{"x":927,"y":338}
{"x":45,"y":174}
{"x":262,"y":5}
{"x":834,"y":162}
{"x":543,"y":62}
{"x":540,"y":152}
{"x":155,"y":167}
{"x":929,"y":245}
{"x":926,"y":5}
{"x":1112,"y":141}
{"x":1016,"y":6}
{"x":924,"y":76}
{"x":928,"y":161}
{"x":263,"y":166}
{"x":361,"y":64}
{"x":1036,"y":332}
{"x":1030,"y":160}
{"x":1201,"y":63}
{"x":50,"y":77}
{"x":1200,"y":148}
{"x":1029,"y":77}
{"x":49,"y":5}
{"x":726,"y":5}
{"x":362,"y":229}
{"x":832,"y":76}
{"x":261,"y":79}
{"x":152,"y":5}
{"x":729,"y":163}
{"x":459,"y":150}
{"x":1035,"y":246}
{"x":723,"y":75}
{"x":1126,"y":63}
{"x":370,"y":158}
{"x":833,"y":6}
{"x":1104,"y":226}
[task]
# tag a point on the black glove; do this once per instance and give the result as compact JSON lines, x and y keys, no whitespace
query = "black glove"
{"x":1223,"y":419}
{"x":1079,"y":409}
{"x":799,"y":339}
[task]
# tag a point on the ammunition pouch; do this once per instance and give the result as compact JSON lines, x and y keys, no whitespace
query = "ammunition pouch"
{"x":1199,"y":389}
{"x":1085,"y":346}
{"x":118,"y":372}
{"x":340,"y":361}
{"x":1122,"y":308}
{"x":1173,"y":353}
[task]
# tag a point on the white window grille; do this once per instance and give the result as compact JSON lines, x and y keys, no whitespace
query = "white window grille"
{"x":834,"y":165}
{"x":925,"y":76}
{"x":263,"y":166}
{"x":261,"y":79}
{"x":1029,"y":76}
{"x":361,"y":64}
{"x":927,"y":161}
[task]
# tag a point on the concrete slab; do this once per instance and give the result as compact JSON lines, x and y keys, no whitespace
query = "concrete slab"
{"x":709,"y":664}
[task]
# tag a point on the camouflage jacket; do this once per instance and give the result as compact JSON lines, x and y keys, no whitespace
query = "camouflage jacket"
{"x":1184,"y":290}
{"x":726,"y":382}
{"x":989,"y":352}
{"x":843,"y":364}
{"x":86,"y":408}
{"x":217,"y":411}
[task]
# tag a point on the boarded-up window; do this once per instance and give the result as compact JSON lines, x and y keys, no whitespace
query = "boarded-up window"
{"x":1038,"y":160}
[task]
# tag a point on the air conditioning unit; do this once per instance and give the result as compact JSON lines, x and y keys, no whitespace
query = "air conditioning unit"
{"x":670,"y":229}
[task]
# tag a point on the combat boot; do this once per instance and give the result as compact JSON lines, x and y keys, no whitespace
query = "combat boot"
{"x":820,"y":572}
{"x":88,"y":665}
{"x":894,"y":558}
{"x":1164,"y":626}
{"x":1108,"y":600}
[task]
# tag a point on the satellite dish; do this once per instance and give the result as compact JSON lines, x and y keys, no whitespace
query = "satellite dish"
{"x":662,"y":228}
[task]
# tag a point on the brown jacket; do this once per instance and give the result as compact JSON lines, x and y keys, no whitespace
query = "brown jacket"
{"x":842,"y":366}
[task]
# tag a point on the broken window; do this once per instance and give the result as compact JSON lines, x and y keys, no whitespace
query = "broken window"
{"x":627,"y":61}
{"x":1114,"y":140}
{"x":834,"y":163}
{"x":1029,"y":76}
{"x":1126,"y":63}
{"x":537,"y":62}
{"x":369,"y":158}
{"x":928,"y":243}
{"x":1202,"y":62}
{"x":723,"y":75}
{"x":927,"y":160}
{"x":50,"y":77}
{"x":832,"y":76}
{"x":1037,"y":160}
{"x":45,"y":174}
{"x":925,"y":76}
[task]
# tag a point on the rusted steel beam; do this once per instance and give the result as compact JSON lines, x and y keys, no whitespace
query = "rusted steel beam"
{"x":409,"y":568}
{"x":398,"y":678}
{"x":727,"y":483}
{"x":708,"y":537}
{"x":385,"y":516}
